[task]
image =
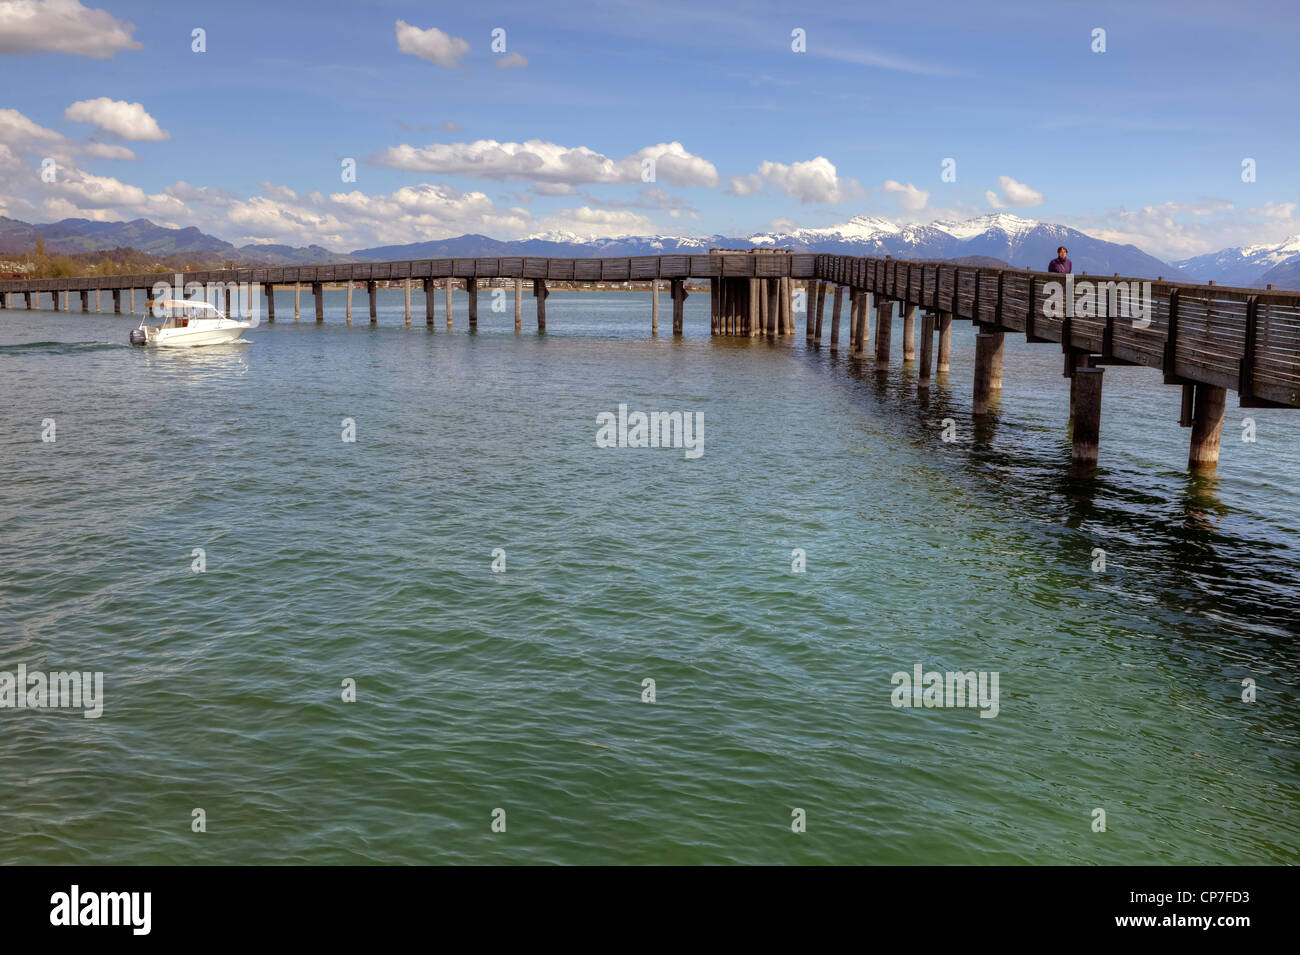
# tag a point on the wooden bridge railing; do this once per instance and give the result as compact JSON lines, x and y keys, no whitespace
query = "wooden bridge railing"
{"x":1207,"y":338}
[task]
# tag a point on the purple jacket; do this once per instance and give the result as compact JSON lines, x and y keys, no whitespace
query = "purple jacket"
{"x":1056,"y":265}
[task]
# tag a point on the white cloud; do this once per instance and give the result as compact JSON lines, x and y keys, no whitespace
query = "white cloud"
{"x":125,"y":120}
{"x":749,"y":185}
{"x":512,"y":61}
{"x":814,"y":180}
{"x":62,"y":26}
{"x":105,"y":198}
{"x":1016,"y":194}
{"x":910,"y":198}
{"x":541,"y":161}
{"x":431,"y":44}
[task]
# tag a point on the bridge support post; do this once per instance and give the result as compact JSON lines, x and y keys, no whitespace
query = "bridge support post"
{"x":98,"y":308}
{"x":809,"y":307}
{"x":28,"y":295}
{"x":270,"y":302}
{"x":227,"y":291}
{"x":945,"y":342}
{"x":347,"y":303}
{"x":909,"y":333}
{"x":297,"y":301}
{"x":835,"y":318}
{"x":1207,"y":428}
{"x":447,"y":300}
{"x":471,"y":291}
{"x":406,"y":288}
{"x":821,"y":309}
{"x":787,"y":304}
{"x":132,"y":302}
{"x":715,"y":305}
{"x":519,"y":304}
{"x":1087,"y":418}
{"x":988,"y":363}
{"x":427,"y":287}
{"x":884,"y":329}
{"x":773,"y":318}
{"x":859,"y":323}
{"x":318,"y":300}
{"x":927,"y":351}
{"x":679,"y":305}
{"x":372,"y":290}
{"x":117,"y":301}
{"x":540,"y":291}
{"x":85,"y":300}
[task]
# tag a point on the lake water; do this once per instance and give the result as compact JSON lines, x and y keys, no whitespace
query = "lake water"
{"x":372,"y":561}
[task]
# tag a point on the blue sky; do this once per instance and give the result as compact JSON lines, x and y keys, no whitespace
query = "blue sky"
{"x":1141,"y":143}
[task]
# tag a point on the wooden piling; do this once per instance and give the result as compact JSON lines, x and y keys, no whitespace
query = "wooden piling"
{"x":945,"y":342}
{"x":407,"y":290}
{"x":787,"y":304}
{"x":471,"y":291}
{"x":679,"y":305}
{"x":98,"y":309}
{"x":772,"y":319}
{"x":909,"y":333}
{"x":132,"y":302}
{"x":1207,"y":428}
{"x":227,"y":291}
{"x":117,"y":301}
{"x":884,"y":329}
{"x":835,"y":318}
{"x":1087,"y":416}
{"x":297,"y":301}
{"x":372,"y":290}
{"x":927,"y":350}
{"x":987,"y":346}
{"x":540,"y":292}
{"x":85,"y":300}
{"x":270,"y":302}
{"x":519,"y":305}
{"x":318,"y":299}
{"x":430,"y":300}
{"x":654,"y":305}
{"x":856,"y":306}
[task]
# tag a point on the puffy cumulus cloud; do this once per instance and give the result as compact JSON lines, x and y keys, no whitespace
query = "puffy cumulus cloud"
{"x":910,"y":198}
{"x":512,"y":61}
{"x":1013,"y":194}
{"x":815,"y":180}
{"x":105,"y":198}
{"x":432,"y":44}
{"x":750,"y":185}
{"x":25,"y":138}
{"x":119,"y":118}
{"x":296,"y":223}
{"x":62,"y":26}
{"x":17,"y":129}
{"x":544,"y":162}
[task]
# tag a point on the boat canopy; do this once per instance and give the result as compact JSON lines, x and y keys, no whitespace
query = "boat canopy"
{"x":184,"y":303}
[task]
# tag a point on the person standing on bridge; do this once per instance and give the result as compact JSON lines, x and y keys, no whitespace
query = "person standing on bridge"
{"x":1061,"y":263}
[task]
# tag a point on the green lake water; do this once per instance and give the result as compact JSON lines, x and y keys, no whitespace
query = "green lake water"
{"x":371,"y":560}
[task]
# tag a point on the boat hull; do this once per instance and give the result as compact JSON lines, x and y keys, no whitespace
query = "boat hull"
{"x":193,"y":338}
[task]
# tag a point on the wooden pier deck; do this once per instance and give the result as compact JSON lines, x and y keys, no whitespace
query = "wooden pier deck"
{"x":1205,"y":339}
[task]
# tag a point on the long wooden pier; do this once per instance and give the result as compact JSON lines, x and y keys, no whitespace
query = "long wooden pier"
{"x":1205,"y":339}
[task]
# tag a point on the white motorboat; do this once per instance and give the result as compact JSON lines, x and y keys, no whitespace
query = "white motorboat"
{"x":187,"y":323}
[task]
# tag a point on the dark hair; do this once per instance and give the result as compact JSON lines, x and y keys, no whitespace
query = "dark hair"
{"x":1061,"y":247}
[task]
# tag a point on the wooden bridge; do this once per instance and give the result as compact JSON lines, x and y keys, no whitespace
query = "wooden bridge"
{"x":1206,"y":339}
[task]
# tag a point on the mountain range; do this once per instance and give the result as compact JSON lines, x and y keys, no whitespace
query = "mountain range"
{"x":1017,"y":241}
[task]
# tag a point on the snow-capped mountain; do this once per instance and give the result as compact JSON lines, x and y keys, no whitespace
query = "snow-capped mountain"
{"x":1000,"y":235}
{"x":1242,"y":266}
